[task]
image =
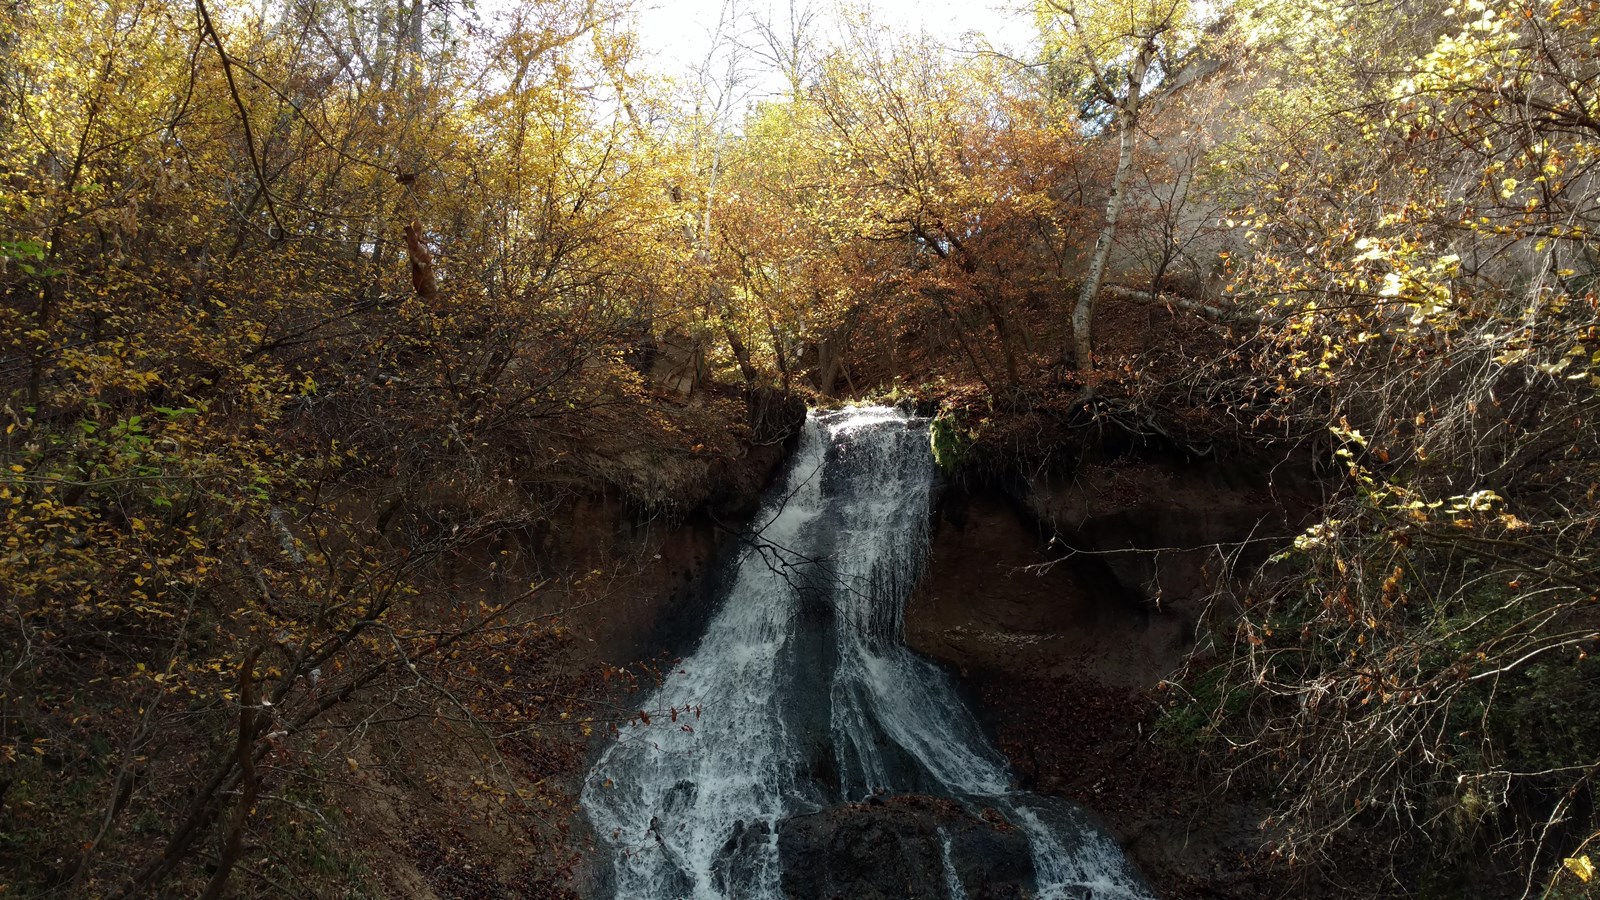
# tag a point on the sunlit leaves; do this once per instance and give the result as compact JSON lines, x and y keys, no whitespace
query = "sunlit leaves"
{"x":195,"y":387}
{"x":1419,"y":205}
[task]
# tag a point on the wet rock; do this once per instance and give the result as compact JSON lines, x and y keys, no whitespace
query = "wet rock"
{"x":894,"y":849}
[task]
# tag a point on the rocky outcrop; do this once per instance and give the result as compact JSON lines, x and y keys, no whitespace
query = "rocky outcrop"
{"x":1066,"y":596}
{"x":1167,"y":530}
{"x":1101,"y":574}
{"x":641,"y":560}
{"x":999,"y":597}
{"x":894,"y":849}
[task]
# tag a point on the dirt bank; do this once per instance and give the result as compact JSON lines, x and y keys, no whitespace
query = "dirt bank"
{"x":1064,"y":598}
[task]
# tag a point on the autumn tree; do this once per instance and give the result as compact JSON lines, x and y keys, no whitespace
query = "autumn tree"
{"x":300,"y":304}
{"x":1117,"y":49}
{"x":1422,"y":257}
{"x":790,"y":279}
{"x":954,"y":171}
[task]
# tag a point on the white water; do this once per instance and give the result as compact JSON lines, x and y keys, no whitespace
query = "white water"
{"x":952,"y":881}
{"x":802,"y":694}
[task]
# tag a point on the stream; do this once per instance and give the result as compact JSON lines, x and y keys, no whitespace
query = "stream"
{"x":802,"y":695}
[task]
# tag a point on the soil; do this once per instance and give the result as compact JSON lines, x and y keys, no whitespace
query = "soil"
{"x":445,"y":812}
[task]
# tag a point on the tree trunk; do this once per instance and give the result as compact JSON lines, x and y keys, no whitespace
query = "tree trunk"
{"x":233,"y":841}
{"x":778,"y":351}
{"x":741,"y":355}
{"x":422,"y":280}
{"x":1128,"y":121}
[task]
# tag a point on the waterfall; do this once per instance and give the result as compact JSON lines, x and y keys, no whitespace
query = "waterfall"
{"x":802,"y":694}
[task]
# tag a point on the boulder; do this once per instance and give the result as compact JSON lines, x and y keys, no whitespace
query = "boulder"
{"x":895,"y":849}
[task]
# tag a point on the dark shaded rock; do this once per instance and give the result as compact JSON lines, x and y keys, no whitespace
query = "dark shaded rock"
{"x":991,"y":602}
{"x":1104,"y":574}
{"x":893,"y":849}
{"x":1159,"y":523}
{"x":1067,"y":593}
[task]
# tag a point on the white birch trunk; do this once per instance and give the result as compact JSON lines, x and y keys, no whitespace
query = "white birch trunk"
{"x":1128,"y":121}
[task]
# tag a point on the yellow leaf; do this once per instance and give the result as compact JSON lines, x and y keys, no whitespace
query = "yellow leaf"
{"x":1580,"y":866}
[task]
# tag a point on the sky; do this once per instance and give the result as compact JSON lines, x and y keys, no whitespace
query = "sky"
{"x":676,"y":34}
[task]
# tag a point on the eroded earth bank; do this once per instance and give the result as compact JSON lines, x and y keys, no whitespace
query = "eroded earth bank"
{"x":1058,"y":598}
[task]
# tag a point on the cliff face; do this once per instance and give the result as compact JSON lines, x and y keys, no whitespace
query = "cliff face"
{"x":627,"y":558}
{"x":1101,"y":573}
{"x":1064,"y":600}
{"x":1002,"y":597}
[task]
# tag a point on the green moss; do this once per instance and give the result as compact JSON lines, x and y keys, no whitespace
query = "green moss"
{"x":951,"y":440}
{"x":1189,"y":717}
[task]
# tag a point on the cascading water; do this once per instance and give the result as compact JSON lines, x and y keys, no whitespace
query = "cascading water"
{"x":802,"y":694}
